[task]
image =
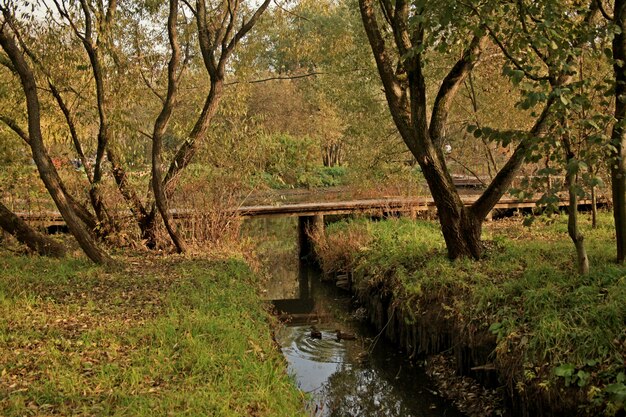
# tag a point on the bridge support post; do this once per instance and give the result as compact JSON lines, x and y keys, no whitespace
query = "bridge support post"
{"x":307,"y":227}
{"x":432,"y":212}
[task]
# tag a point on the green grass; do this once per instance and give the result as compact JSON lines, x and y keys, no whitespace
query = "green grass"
{"x":157,"y":338}
{"x":560,"y":326}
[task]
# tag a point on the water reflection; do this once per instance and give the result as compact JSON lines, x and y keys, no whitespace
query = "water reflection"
{"x":362,"y":377}
{"x":345,"y":378}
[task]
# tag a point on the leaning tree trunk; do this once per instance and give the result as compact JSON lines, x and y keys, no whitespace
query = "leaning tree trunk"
{"x":46,"y":169}
{"x":25,"y":234}
{"x":160,"y":125}
{"x":618,"y":163}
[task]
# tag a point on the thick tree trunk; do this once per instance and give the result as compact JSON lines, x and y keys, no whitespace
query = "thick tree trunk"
{"x":25,"y":234}
{"x":46,"y":169}
{"x":405,"y":91}
{"x":618,"y":163}
{"x":461,"y":227}
{"x":463,"y":235}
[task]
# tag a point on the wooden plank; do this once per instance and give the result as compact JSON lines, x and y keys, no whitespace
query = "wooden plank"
{"x":371,"y":206}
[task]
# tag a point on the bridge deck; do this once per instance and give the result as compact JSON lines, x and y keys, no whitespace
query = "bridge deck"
{"x":384,"y":205}
{"x":371,"y":205}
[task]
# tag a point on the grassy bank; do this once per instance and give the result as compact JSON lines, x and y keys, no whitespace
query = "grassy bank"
{"x":556,"y":334}
{"x":157,"y":338}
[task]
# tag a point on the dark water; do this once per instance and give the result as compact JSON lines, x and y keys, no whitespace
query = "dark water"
{"x":361,"y":377}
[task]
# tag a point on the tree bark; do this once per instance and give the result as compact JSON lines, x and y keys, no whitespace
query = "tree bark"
{"x":217,"y":40}
{"x":594,"y":207}
{"x":81,"y":211}
{"x":405,"y":91}
{"x":160,"y":126}
{"x":25,"y":234}
{"x":573,"y":228}
{"x":461,"y":226}
{"x":46,"y":169}
{"x":618,"y":161}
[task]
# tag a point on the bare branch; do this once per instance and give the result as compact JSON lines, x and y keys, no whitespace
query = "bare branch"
{"x":245,"y":28}
{"x":15,"y":127}
{"x":602,"y":9}
{"x":522,"y":18}
{"x":295,"y":77}
{"x":468,"y":169}
{"x":193,"y":11}
{"x":153,"y":89}
{"x":298,"y":16}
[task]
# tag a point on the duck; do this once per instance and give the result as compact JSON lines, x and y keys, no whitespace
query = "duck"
{"x":315,"y":334}
{"x":344,"y":335}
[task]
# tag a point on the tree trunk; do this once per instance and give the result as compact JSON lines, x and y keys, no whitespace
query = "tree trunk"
{"x":188,"y":149}
{"x":573,"y":228}
{"x":147,"y":226}
{"x":594,"y":208}
{"x":332,"y":155}
{"x":160,"y":125}
{"x":25,"y":234}
{"x":406,"y":97}
{"x":618,"y":163}
{"x":46,"y":169}
{"x":463,"y":235}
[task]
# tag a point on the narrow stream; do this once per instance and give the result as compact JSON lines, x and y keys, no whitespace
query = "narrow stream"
{"x":357,"y":374}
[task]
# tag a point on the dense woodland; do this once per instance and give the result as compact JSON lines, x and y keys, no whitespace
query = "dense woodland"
{"x":113,"y":113}
{"x":121,"y":114}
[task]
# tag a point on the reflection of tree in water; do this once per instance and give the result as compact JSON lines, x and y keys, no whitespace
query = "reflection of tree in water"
{"x":354,"y":391}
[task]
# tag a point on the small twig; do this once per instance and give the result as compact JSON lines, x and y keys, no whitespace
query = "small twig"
{"x":290,"y":12}
{"x":465,"y":167}
{"x":295,"y":77}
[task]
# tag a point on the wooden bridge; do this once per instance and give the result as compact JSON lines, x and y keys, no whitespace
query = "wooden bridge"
{"x":389,"y":206}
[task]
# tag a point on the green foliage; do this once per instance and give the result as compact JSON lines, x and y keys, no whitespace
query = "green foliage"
{"x":525,"y":291}
{"x":286,"y":161}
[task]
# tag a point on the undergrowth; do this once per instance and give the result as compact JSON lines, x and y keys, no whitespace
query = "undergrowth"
{"x":158,"y":338}
{"x":555,"y":329}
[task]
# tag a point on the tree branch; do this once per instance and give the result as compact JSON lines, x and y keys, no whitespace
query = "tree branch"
{"x":450,"y":85}
{"x":160,"y":126}
{"x":602,"y":9}
{"x":395,"y":93}
{"x":502,"y":181}
{"x":15,"y":127}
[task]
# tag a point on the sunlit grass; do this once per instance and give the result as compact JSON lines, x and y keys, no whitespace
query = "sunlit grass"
{"x":526,"y":290}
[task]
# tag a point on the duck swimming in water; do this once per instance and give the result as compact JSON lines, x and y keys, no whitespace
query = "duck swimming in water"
{"x":344,"y":335}
{"x":315,"y":334}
